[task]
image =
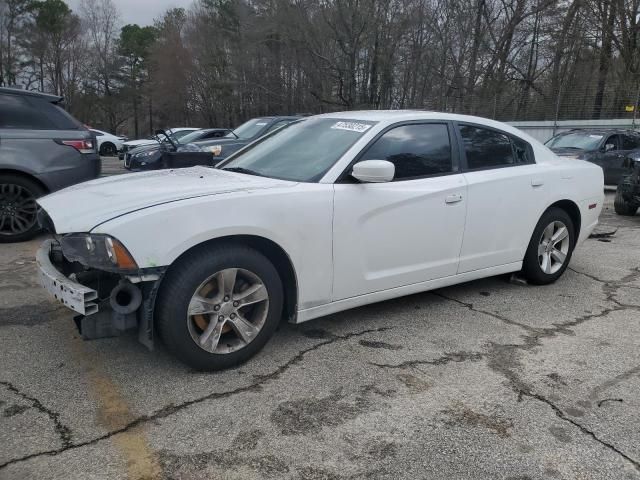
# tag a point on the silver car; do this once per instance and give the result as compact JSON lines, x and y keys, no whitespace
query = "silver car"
{"x":42,"y":149}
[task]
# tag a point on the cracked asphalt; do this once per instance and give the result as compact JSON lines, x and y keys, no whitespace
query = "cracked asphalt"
{"x":489,"y":379}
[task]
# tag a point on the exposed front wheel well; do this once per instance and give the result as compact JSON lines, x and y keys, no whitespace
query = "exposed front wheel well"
{"x":18,"y":173}
{"x":573,"y":211}
{"x":276,"y":255}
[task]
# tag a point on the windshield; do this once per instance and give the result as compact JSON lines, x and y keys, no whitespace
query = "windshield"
{"x":190,"y":137}
{"x":302,"y":151}
{"x":178,"y":135}
{"x":578,"y":141}
{"x":248,"y":129}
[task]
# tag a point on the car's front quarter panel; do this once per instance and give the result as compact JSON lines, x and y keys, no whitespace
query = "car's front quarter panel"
{"x":297,"y":218}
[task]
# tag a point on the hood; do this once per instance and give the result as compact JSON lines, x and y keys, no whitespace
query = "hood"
{"x":144,"y":141}
{"x":82,"y":207}
{"x":569,"y":152}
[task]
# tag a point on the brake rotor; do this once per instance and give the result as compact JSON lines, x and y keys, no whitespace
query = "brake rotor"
{"x":201,"y":320}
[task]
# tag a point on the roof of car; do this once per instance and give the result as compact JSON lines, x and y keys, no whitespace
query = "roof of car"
{"x":408,"y":115}
{"x":30,"y":93}
{"x":603,"y":131}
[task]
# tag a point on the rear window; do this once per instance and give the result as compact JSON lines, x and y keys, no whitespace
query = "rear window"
{"x":58,"y":116}
{"x":17,"y":112}
{"x":32,"y":113}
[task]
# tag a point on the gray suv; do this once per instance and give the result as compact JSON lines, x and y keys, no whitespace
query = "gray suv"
{"x":42,"y":149}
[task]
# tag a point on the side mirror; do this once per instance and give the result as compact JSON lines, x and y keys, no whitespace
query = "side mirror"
{"x":609,"y":146}
{"x":374,"y":171}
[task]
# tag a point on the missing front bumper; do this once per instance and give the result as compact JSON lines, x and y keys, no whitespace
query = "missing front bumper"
{"x":108,"y":304}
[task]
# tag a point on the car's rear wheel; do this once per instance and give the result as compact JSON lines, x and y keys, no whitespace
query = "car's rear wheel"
{"x":550,"y":247}
{"x":624,"y":207}
{"x":218,"y":306}
{"x":108,"y":149}
{"x":18,"y":208}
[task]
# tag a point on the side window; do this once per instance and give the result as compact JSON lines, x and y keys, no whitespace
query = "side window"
{"x":17,"y":112}
{"x":630,"y":142}
{"x":96,"y":133}
{"x":523,"y":151}
{"x":615,"y":141}
{"x":486,"y":148}
{"x":214,"y":134}
{"x":415,"y":150}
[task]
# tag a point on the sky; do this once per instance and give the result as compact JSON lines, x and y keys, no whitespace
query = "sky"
{"x":142,"y":12}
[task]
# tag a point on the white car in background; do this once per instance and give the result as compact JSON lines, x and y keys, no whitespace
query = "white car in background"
{"x":108,"y":144}
{"x":175,"y":133}
{"x":328,"y":213}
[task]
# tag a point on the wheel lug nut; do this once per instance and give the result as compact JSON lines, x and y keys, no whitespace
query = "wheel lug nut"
{"x":233,"y":315}
{"x":216,"y":308}
{"x":226,"y":299}
{"x":220,"y":318}
{"x":235,"y":304}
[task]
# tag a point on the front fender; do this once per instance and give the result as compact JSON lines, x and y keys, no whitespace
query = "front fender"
{"x":298,"y":219}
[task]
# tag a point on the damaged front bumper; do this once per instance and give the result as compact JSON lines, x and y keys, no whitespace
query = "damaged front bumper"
{"x":107,"y":303}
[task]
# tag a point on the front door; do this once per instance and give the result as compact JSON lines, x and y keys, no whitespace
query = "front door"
{"x":403,"y":232}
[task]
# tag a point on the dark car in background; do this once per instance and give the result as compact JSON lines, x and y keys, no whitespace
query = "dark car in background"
{"x":605,"y":147}
{"x":243,"y":135}
{"x":148,"y":157}
{"x":42,"y":149}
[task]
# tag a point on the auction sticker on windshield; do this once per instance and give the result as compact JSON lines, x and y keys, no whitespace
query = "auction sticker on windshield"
{"x":351,"y":126}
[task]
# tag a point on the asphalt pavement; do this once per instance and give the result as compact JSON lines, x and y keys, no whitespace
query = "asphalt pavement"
{"x":489,"y":379}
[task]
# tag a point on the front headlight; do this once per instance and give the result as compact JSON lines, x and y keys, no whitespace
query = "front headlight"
{"x":145,"y":154}
{"x":97,"y":251}
{"x":215,"y":150}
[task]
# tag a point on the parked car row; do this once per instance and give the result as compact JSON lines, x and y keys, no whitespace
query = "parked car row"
{"x":219,"y":143}
{"x":44,"y":149}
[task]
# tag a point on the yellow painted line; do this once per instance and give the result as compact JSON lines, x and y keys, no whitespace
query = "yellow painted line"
{"x":113,"y":414}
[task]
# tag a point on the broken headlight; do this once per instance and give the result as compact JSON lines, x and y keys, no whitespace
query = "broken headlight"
{"x":97,"y":251}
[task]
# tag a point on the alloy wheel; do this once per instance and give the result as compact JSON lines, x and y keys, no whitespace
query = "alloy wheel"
{"x":553,"y":247}
{"x":228,"y":310}
{"x":18,"y":209}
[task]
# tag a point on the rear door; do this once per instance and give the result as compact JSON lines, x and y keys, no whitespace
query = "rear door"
{"x":406,"y":231}
{"x":505,"y":194}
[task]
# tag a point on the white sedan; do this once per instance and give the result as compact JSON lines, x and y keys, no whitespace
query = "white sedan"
{"x":329,"y":213}
{"x":108,"y":144}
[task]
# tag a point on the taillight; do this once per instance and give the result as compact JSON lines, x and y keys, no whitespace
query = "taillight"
{"x":83,"y":146}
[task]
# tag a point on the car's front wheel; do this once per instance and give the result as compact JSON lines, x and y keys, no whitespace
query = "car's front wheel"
{"x":18,"y":208}
{"x":550,"y":247}
{"x":218,"y":306}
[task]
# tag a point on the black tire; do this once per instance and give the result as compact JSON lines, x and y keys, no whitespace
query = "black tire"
{"x":108,"y":149}
{"x":18,"y":208}
{"x":531,"y":267}
{"x":184,"y":279}
{"x":624,"y":207}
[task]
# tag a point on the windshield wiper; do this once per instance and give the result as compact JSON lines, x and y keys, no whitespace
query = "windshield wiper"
{"x":246,"y":171}
{"x":234,"y":134}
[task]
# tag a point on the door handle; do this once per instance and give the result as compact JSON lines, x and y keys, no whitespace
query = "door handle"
{"x":455,"y":198}
{"x":537,"y":182}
